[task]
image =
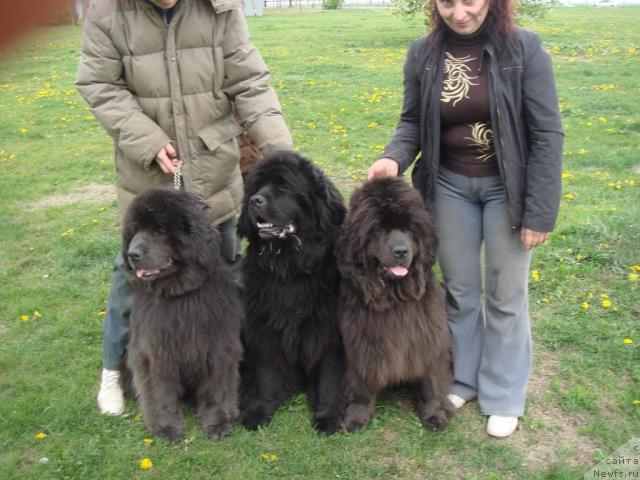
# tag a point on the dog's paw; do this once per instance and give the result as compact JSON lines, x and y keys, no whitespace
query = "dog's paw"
{"x":218,"y":430}
{"x":252,"y":419}
{"x":437,"y":421}
{"x":170,"y":433}
{"x":357,"y":417}
{"x":328,"y":425}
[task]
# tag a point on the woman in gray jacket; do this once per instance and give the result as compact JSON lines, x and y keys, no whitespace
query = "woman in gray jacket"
{"x":480,"y":107}
{"x":164,"y":77}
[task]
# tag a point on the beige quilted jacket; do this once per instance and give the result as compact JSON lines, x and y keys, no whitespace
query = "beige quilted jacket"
{"x":149,"y":84}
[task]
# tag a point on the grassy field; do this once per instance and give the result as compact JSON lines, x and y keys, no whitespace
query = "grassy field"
{"x":338,"y":75}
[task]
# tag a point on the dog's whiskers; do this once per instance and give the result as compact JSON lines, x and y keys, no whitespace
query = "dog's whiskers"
{"x":298,"y":243}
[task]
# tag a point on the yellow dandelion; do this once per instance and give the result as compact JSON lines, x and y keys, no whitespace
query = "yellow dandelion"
{"x":25,"y":318}
{"x":41,"y":435}
{"x":102,"y":313}
{"x":566,"y":175}
{"x":604,"y":246}
{"x":627,"y":341}
{"x":582,"y":151}
{"x":138,"y":417}
{"x":146,"y":464}
{"x":585,"y":305}
{"x":635,"y":268}
{"x":569,"y":196}
{"x":545,"y":300}
{"x":268,"y":457}
{"x":636,"y":402}
{"x":535,"y":275}
{"x":604,"y":295}
{"x":23,"y":131}
{"x":633,"y":277}
{"x":602,"y":120}
{"x":148,"y":441}
{"x":606,"y":303}
{"x":311,"y":125}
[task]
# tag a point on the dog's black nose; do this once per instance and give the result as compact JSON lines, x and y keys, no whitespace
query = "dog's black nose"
{"x":134,"y":254}
{"x":257,"y":200}
{"x":400,"y":251}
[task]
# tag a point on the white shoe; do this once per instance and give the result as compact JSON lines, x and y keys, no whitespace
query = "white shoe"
{"x":110,"y":396}
{"x":458,"y":402}
{"x":498,"y":426}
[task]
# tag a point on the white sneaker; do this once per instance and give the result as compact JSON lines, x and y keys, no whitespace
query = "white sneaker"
{"x":458,"y":402}
{"x":498,"y":426}
{"x":110,"y":396}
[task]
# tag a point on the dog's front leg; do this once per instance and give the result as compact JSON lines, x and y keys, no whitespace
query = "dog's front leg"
{"x":264,"y":387}
{"x":160,"y":402}
{"x":361,"y":401}
{"x":328,"y":401}
{"x":434,"y":407}
{"x":217,"y":401}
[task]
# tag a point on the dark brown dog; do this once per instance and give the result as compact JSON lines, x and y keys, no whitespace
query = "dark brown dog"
{"x":391,"y":309}
{"x":186,"y":316}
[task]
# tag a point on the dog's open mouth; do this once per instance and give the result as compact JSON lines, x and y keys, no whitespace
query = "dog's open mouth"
{"x":268,"y":230}
{"x":396,"y":271}
{"x":150,"y":274}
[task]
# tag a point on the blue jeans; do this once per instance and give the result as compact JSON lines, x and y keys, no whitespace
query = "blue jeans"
{"x":491,"y":334}
{"x":116,"y":320}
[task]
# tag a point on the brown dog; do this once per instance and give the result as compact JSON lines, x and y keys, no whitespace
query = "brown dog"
{"x":391,"y":309}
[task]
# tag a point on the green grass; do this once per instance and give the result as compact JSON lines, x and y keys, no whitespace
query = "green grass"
{"x":338,"y":76}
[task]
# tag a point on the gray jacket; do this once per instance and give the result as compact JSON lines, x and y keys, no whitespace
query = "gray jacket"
{"x":525,"y":119}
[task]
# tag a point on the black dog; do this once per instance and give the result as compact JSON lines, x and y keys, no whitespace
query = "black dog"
{"x":291,"y":217}
{"x":186,"y":317}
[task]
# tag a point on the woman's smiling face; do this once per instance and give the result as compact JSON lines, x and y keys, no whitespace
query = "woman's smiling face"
{"x":464,"y":17}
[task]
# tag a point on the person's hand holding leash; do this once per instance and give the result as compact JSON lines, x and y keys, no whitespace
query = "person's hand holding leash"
{"x":167,"y":159}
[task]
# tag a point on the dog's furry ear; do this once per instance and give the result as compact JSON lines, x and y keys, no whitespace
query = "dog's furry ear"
{"x":331,"y":211}
{"x":244,"y":224}
{"x":351,"y":250}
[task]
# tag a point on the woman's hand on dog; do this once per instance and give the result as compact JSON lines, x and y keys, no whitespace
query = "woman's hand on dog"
{"x":167,"y":159}
{"x":385,"y":167}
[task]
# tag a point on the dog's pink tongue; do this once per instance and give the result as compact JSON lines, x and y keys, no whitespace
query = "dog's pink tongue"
{"x":141,"y":272}
{"x":398,"y":271}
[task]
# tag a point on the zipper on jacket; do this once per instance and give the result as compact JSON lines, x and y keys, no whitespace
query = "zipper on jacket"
{"x":498,"y":118}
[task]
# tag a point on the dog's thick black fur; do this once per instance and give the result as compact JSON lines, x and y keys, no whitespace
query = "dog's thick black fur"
{"x":291,"y":217}
{"x":392,"y":310}
{"x":186,"y":317}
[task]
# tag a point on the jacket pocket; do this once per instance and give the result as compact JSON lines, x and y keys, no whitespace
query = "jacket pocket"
{"x":219,"y":132}
{"x":513,"y":72}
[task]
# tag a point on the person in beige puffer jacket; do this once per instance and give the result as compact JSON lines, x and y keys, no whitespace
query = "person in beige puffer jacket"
{"x":164,"y":78}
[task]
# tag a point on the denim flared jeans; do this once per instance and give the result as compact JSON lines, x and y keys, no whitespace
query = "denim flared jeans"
{"x":486,"y":273}
{"x":116,"y":319}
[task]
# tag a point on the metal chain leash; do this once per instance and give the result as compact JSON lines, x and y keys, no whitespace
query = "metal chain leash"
{"x":177,"y":176}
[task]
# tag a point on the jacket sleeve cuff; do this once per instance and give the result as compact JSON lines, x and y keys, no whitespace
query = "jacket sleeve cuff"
{"x":270,"y":134}
{"x":143,"y":144}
